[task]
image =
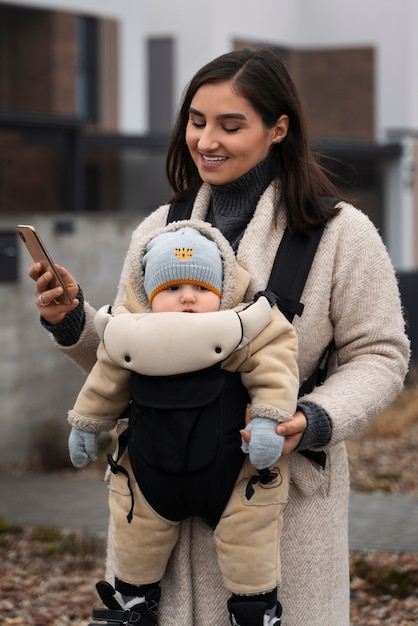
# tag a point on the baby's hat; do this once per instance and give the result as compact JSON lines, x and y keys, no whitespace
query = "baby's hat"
{"x":182,"y":256}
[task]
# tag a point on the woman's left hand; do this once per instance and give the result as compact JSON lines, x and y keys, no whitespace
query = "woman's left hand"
{"x":46,"y":296}
{"x":293,"y":431}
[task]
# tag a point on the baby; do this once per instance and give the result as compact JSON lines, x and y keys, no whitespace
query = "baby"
{"x":189,"y":379}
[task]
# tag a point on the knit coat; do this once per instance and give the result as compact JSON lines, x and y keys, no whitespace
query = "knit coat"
{"x":351,"y":295}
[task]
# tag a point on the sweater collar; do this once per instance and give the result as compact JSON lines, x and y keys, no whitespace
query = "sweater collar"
{"x":243,"y":193}
{"x":233,"y":205}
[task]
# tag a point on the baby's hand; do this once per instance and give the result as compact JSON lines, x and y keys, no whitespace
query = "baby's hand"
{"x":82,"y":447}
{"x":261,"y":441}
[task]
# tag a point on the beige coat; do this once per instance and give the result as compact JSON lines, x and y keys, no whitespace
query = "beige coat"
{"x":351,"y":294}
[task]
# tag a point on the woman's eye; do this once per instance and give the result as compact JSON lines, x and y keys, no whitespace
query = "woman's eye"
{"x":197,"y":124}
{"x":231,"y":130}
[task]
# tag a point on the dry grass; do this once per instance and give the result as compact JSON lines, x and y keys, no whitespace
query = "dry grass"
{"x":400,"y":415}
{"x":381,"y":457}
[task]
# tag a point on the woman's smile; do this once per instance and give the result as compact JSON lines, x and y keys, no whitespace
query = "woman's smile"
{"x":225,"y":135}
{"x":212,"y":162}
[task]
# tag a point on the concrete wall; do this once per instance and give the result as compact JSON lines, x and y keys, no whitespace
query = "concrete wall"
{"x":37,"y":383}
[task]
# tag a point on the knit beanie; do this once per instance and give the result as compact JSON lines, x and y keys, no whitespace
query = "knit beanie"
{"x":182,"y":256}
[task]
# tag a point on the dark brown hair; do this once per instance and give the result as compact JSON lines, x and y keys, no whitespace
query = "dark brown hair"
{"x":259,"y":76}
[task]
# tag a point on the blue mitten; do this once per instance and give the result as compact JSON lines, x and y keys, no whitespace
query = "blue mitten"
{"x":266,"y":445}
{"x":82,"y":446}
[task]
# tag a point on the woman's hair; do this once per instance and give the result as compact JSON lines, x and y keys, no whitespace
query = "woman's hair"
{"x":259,"y":76}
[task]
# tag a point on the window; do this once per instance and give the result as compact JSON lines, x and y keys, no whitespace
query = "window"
{"x":87,"y":71}
{"x":160,"y":85}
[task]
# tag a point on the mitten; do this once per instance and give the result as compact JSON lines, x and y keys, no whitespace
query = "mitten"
{"x":265,"y":445}
{"x":82,"y":446}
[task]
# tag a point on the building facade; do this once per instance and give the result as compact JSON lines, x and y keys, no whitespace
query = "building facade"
{"x":88,"y":93}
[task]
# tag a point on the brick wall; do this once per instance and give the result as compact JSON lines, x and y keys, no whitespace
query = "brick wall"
{"x":37,"y":50}
{"x":63,"y":63}
{"x":31,"y":175}
{"x":336,"y":87}
{"x":38,"y":74}
{"x":337,"y":91}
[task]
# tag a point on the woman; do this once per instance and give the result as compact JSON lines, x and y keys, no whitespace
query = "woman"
{"x":240,"y":144}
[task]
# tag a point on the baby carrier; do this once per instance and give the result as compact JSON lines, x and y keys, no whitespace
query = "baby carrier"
{"x":286,"y":283}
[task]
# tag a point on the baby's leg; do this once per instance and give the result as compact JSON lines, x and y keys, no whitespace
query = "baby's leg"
{"x":247,"y":540}
{"x":141,"y":547}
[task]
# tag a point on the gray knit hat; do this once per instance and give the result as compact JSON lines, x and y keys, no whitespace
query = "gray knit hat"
{"x":182,"y":256}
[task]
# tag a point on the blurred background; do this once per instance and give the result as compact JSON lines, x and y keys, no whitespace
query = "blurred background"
{"x":88,"y":94}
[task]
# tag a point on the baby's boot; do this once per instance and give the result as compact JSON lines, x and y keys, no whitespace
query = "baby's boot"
{"x":250,"y":612}
{"x":126,"y":610}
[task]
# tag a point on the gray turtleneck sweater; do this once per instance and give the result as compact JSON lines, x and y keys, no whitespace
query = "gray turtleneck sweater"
{"x":233,"y":204}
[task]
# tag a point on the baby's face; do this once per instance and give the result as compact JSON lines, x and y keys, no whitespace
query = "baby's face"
{"x":185,"y":298}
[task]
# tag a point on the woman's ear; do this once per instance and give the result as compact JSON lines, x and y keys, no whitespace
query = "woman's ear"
{"x":280,"y":129}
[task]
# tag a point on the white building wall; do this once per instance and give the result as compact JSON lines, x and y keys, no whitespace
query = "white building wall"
{"x":387,"y":25}
{"x":399,"y":205}
{"x":202,"y":30}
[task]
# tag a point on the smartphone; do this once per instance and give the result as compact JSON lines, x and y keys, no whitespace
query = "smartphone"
{"x":40,"y":254}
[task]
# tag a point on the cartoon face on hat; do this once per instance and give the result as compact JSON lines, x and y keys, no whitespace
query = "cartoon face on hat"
{"x":182,"y":256}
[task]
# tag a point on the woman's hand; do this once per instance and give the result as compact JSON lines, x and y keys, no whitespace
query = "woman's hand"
{"x":292,"y":430}
{"x":46,"y":298}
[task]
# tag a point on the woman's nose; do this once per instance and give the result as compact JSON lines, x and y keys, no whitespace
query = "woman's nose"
{"x":208,"y":139}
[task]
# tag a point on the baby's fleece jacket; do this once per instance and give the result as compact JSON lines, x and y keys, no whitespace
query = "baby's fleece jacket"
{"x":267,"y":364}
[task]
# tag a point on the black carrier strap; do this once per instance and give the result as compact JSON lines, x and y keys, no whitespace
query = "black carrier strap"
{"x":181,"y":209}
{"x":114,"y":462}
{"x":289,"y":274}
{"x":291,"y":268}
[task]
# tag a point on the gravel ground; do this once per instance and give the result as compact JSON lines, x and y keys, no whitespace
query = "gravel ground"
{"x":384,"y":586}
{"x":47,"y":577}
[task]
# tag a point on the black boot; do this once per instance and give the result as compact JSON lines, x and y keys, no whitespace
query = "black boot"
{"x":139,"y":610}
{"x":245,"y":612}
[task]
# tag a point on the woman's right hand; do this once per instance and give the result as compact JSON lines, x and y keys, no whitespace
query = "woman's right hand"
{"x":46,"y":298}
